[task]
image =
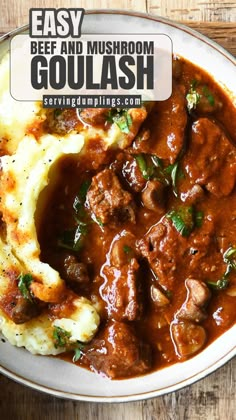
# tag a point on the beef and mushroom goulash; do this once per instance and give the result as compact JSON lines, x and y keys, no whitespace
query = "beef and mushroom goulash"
{"x":118,"y":233}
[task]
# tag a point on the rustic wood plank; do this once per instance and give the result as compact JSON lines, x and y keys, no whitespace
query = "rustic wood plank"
{"x":220,"y":32}
{"x":15,"y":13}
{"x":210,"y":398}
{"x":198,"y":10}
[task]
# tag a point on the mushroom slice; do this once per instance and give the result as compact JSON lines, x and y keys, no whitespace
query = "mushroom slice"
{"x":153,"y":196}
{"x":188,"y":338}
{"x":158,"y":297}
{"x":193,"y":309}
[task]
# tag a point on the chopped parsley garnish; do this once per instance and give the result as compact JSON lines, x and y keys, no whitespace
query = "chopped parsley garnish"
{"x":194,"y":83}
{"x":24,"y":283}
{"x":193,"y":99}
{"x":175,"y":173}
{"x":81,"y":196}
{"x":229,"y":258}
{"x":157,"y":161}
{"x":73,"y":238}
{"x":185,"y":219}
{"x":142,"y":164}
{"x":127,"y":249}
{"x":168,"y":293}
{"x":121,"y":118}
{"x":199,"y":216}
{"x":208,"y":95}
{"x":78,"y":352}
{"x":97,"y":220}
{"x":219,"y":284}
{"x":61,"y":337}
{"x":152,"y":167}
{"x":182,"y":220}
{"x":194,"y":96}
{"x":57,"y":112}
{"x":172,"y":170}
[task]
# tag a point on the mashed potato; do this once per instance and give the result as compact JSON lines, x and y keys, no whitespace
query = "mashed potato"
{"x":15,"y":116}
{"x":26,"y":164}
{"x":37,"y":335}
{"x":25,"y":172}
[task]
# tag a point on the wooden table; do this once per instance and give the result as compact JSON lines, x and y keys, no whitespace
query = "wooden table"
{"x":212,"y":398}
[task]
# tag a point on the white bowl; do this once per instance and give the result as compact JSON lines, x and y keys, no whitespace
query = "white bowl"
{"x":64,"y":379}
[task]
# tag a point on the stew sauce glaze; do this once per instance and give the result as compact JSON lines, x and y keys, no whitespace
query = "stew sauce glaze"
{"x":153,"y":229}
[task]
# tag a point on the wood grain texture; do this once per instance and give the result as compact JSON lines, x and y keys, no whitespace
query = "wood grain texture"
{"x":198,"y":10}
{"x":223,"y":33}
{"x":212,"y":398}
{"x":15,"y":13}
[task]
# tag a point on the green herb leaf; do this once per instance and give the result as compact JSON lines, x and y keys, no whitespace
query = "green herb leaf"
{"x":199,"y":216}
{"x":158,"y":162}
{"x":127,"y":249}
{"x":230,"y":257}
{"x":193,"y":99}
{"x":173,"y":171}
{"x":220,"y":284}
{"x":57,"y":112}
{"x":207,"y":93}
{"x":72,"y":239}
{"x":81,"y":196}
{"x":122,"y":118}
{"x":182,"y":220}
{"x":67,"y":239}
{"x":129,"y":119}
{"x":80,"y":233}
{"x":97,"y":220}
{"x":77,"y":355}
{"x":168,"y":293}
{"x":142,"y":164}
{"x":194,"y":83}
{"x":78,"y":352}
{"x":61,"y":337}
{"x":151,"y":167}
{"x":24,"y":283}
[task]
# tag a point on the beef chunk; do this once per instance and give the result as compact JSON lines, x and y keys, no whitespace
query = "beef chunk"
{"x":24,"y":310}
{"x":122,"y":353}
{"x":94,"y":116}
{"x":138,"y":116}
{"x":126,"y":165}
{"x":165,"y":249}
{"x":132,"y":173}
{"x":188,"y":338}
{"x":121,"y":291}
{"x":108,"y":201}
{"x":192,"y":196}
{"x":193,"y":308}
{"x":62,"y":121}
{"x":215,"y":166}
{"x":161,"y":247}
{"x":75,"y":271}
{"x":169,"y":119}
